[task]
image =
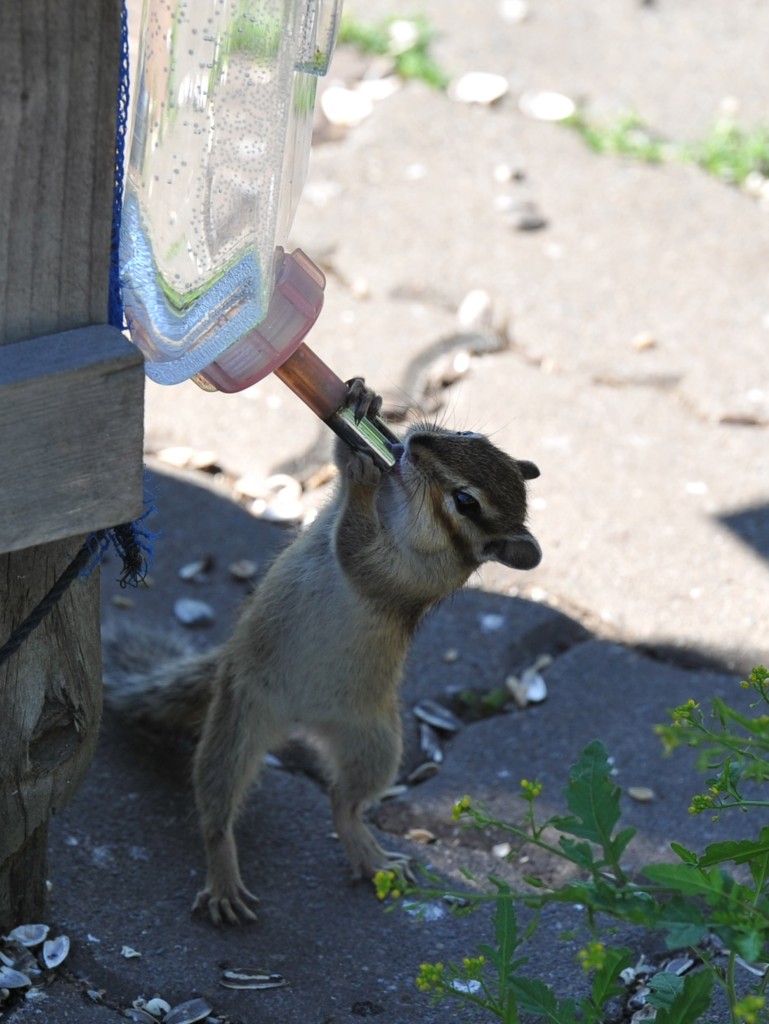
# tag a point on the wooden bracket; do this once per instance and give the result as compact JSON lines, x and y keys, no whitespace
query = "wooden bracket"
{"x":71,"y":423}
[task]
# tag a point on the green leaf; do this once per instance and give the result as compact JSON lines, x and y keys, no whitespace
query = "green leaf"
{"x":749,"y":944}
{"x":621,"y":840}
{"x":683,"y":922}
{"x":740,"y":851}
{"x":691,"y":1002}
{"x":688,"y":879}
{"x":580,"y":854}
{"x":538,"y":999}
{"x":687,"y":856}
{"x":665,"y":989}
{"x":593,"y":799}
{"x":505,"y":924}
{"x":534,"y":882}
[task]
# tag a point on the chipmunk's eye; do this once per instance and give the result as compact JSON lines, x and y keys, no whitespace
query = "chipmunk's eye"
{"x":465,"y":503}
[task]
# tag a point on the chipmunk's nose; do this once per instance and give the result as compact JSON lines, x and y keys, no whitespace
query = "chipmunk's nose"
{"x":397,"y":449}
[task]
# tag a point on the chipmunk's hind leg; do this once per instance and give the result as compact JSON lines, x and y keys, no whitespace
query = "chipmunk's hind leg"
{"x":364,"y":761}
{"x":227,"y":762}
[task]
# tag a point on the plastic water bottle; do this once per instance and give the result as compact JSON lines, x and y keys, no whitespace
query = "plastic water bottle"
{"x":222,"y":124}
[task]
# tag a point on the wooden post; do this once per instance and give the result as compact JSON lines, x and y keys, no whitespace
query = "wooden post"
{"x":70,"y":408}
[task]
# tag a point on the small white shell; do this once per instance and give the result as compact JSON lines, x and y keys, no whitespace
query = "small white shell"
{"x":637,"y":1000}
{"x":427,"y":912}
{"x":190,"y":612}
{"x":471,"y":987}
{"x":421,"y":835}
{"x":546,"y":106}
{"x":157,"y":1006}
{"x":129,"y":953}
{"x":641,"y":794}
{"x":277,"y":499}
{"x":514,"y":11}
{"x":10,"y":978}
{"x":394,"y":791}
{"x":30,"y":935}
{"x":252,"y":978}
{"x":204,"y":459}
{"x":179,"y":457}
{"x":345,"y":107}
{"x":193,"y":571}
{"x":243,"y":569}
{"x":55,"y":951}
{"x":436,"y":715}
{"x":429,"y":744}
{"x":681,"y":964}
{"x":188,"y":1013}
{"x":478,"y":87}
{"x":378,"y":89}
{"x":517,"y":691}
{"x":535,"y":686}
{"x":757,"y":969}
{"x":140,"y":1016}
{"x":281,"y":510}
{"x":249,"y":486}
{"x":404,"y":34}
{"x":422,"y":772}
{"x":475,"y":310}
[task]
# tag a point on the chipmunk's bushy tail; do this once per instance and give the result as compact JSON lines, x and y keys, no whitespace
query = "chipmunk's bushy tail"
{"x":157,"y":679}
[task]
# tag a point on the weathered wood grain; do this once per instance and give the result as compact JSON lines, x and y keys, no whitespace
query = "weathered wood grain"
{"x":59,"y":67}
{"x":50,"y":701}
{"x":80,"y":393}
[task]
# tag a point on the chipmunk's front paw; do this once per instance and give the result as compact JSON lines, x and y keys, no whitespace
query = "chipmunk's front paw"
{"x":361,"y":469}
{"x":362,"y":399}
{"x":232,"y":906}
{"x":356,"y":463}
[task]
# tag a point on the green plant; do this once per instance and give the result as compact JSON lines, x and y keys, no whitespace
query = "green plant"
{"x":626,"y":136}
{"x":730,"y":743}
{"x":406,"y":40}
{"x":728,"y":152}
{"x":696,"y":903}
{"x":733,"y":153}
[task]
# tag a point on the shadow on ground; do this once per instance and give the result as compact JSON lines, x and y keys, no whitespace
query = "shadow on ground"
{"x":126,"y":860}
{"x":751,"y":525}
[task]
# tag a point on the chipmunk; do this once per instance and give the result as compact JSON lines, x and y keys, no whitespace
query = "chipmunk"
{"x":322,"y":641}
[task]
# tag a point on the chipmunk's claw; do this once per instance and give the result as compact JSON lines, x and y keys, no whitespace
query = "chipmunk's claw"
{"x":234,"y":909}
{"x":363,"y":401}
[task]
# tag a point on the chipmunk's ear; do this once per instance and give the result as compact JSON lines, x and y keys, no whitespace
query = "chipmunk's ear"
{"x":518,"y":551}
{"x":528,"y":470}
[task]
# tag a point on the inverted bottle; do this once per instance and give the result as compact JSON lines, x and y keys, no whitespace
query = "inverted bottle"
{"x":224,"y":99}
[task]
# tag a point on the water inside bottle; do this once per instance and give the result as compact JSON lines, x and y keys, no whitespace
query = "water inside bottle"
{"x":221,"y":130}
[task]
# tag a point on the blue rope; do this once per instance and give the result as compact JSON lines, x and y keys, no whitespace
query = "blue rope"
{"x":133,"y":542}
{"x":116,"y":317}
